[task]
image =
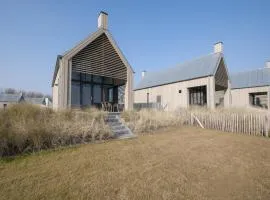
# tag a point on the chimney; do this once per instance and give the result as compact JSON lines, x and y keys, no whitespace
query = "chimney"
{"x":218,"y":47}
{"x":103,"y":20}
{"x":143,"y":73}
{"x":267,"y":64}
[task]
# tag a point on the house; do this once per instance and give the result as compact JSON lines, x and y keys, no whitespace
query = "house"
{"x":251,"y":88}
{"x":40,"y":101}
{"x":92,"y":72}
{"x":8,"y":99}
{"x":202,"y":81}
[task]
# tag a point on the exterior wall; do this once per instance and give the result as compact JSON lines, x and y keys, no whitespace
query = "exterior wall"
{"x":129,"y":95}
{"x":60,"y":92}
{"x":171,"y":99}
{"x":240,"y":97}
{"x":55,"y":92}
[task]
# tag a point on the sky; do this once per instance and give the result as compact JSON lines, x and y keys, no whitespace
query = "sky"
{"x":152,"y":35}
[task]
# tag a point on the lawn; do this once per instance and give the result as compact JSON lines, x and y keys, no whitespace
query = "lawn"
{"x":182,"y":163}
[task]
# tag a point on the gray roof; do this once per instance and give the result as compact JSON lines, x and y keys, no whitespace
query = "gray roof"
{"x":254,"y":78}
{"x":10,"y":97}
{"x":196,"y":68}
{"x":36,"y":100}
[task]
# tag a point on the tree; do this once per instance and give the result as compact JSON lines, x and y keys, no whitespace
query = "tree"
{"x":10,"y":91}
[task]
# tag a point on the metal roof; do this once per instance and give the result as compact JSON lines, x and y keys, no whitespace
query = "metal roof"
{"x":35,"y":100}
{"x":196,"y":68}
{"x":10,"y":97}
{"x":254,"y":78}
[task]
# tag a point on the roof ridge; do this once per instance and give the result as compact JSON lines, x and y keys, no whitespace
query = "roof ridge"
{"x":185,"y":62}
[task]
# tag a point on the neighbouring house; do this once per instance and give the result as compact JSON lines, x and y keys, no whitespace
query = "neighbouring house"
{"x":93,"y":72}
{"x":40,"y":101}
{"x":9,"y":99}
{"x":251,"y":88}
{"x":202,"y":81}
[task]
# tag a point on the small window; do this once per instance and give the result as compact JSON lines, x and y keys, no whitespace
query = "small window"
{"x":147,"y":98}
{"x":180,"y":91}
{"x":5,"y":106}
{"x":158,"y":98}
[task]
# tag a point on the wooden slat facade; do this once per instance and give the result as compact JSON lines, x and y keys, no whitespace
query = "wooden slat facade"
{"x":100,"y":58}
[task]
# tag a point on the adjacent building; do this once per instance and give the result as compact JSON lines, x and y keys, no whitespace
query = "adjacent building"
{"x":251,"y":88}
{"x":39,"y":101}
{"x":202,"y":81}
{"x":93,"y":72}
{"x":9,"y":99}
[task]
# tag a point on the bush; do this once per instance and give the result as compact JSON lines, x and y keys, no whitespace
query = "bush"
{"x":27,"y":128}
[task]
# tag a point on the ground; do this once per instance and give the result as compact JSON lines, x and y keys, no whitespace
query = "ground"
{"x":182,"y":163}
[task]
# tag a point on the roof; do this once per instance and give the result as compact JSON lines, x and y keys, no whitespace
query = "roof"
{"x":196,"y":68}
{"x":10,"y":97}
{"x":35,"y":100}
{"x":253,"y":78}
{"x":70,"y":53}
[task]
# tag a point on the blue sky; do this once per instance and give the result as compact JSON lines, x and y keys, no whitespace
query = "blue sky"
{"x":152,"y":34}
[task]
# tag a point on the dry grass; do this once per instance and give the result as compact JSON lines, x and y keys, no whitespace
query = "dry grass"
{"x":183,"y":163}
{"x":27,"y":128}
{"x":149,"y":120}
{"x":246,"y":121}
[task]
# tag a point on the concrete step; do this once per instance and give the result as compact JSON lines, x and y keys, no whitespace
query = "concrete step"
{"x":112,"y":124}
{"x":119,"y":127}
{"x":111,"y":120}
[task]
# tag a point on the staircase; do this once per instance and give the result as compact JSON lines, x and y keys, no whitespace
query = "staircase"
{"x":120,"y":130}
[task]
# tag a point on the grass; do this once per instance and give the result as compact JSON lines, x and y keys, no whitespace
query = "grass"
{"x":27,"y":128}
{"x":179,"y":163}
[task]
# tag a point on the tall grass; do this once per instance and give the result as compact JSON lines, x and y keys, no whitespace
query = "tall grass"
{"x":247,"y":121}
{"x":27,"y":128}
{"x":147,"y":120}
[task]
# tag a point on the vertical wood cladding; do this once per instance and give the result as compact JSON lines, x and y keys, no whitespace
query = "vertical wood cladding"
{"x":100,"y":58}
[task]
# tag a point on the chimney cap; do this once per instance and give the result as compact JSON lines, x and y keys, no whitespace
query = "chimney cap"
{"x":218,"y":47}
{"x":103,"y":12}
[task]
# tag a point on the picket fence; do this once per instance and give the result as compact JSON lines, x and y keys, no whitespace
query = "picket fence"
{"x":246,"y":123}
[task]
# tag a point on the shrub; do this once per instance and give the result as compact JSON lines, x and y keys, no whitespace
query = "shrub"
{"x":27,"y":128}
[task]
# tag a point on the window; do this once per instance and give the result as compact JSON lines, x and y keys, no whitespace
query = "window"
{"x":111,"y":95}
{"x":97,"y":94}
{"x":97,"y":79}
{"x":258,"y":99}
{"x":159,"y":99}
{"x":76,"y":76}
{"x":147,"y":98}
{"x":86,"y":94}
{"x":75,"y":94}
{"x":5,"y":106}
{"x":197,"y":96}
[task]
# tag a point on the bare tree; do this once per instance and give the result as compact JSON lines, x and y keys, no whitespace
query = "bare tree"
{"x":10,"y":91}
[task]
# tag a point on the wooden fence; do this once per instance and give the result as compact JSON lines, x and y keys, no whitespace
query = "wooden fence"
{"x":251,"y":123}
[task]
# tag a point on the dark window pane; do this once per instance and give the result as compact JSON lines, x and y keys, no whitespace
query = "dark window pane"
{"x":76,"y":76}
{"x":75,"y":94}
{"x":86,"y":95}
{"x":97,"y":79}
{"x":108,"y":80}
{"x":97,"y":94}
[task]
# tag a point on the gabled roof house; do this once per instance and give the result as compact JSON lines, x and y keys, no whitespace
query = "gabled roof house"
{"x":7,"y":99}
{"x":202,"y":82}
{"x":251,"y":88}
{"x":92,"y":72}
